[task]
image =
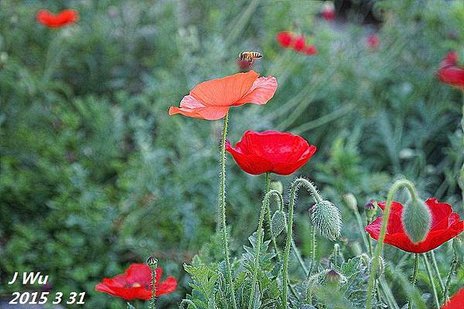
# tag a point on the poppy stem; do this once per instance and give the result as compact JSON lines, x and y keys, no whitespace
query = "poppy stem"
{"x":414,"y":276}
{"x":383,"y":230}
{"x":259,"y":240}
{"x":313,"y":250}
{"x":293,"y":191}
{"x":153,"y":264}
{"x":437,"y":271}
{"x":432,"y":283}
{"x":461,"y":174}
{"x":222,"y":211}
{"x":268,"y":211}
{"x":454,"y":263}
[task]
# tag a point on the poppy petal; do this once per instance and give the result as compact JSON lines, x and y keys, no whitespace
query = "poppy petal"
{"x":456,"y":301}
{"x":261,"y":91}
{"x":191,"y":107}
{"x":167,"y":286}
{"x":224,"y":91}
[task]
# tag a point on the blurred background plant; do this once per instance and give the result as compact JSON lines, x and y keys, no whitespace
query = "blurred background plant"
{"x":95,"y":175}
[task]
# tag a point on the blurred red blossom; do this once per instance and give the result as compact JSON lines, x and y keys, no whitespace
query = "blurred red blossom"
{"x":310,"y":50}
{"x":445,"y":225}
{"x":284,"y":38}
{"x":63,"y":18}
{"x":212,"y":99}
{"x":271,"y":151}
{"x":298,"y":43}
{"x":135,"y":283}
{"x":456,"y":301}
{"x":328,"y":11}
{"x":449,"y":72}
{"x":373,"y":41}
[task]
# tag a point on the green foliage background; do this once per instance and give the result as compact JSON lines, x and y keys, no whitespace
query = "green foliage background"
{"x":95,"y":175}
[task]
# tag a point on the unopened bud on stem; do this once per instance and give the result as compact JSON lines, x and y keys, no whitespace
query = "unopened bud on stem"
{"x":416,"y":220}
{"x":351,"y":201}
{"x":325,"y":217}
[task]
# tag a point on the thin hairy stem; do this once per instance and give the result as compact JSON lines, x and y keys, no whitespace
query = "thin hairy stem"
{"x":437,"y":271}
{"x":461,"y":174}
{"x":299,"y":258}
{"x":152,"y":304}
{"x":279,"y":198}
{"x":222,"y":211}
{"x":432,"y":283}
{"x":383,"y":230}
{"x":414,"y":276}
{"x":294,"y":189}
{"x":259,"y":240}
{"x":362,"y":230}
{"x":454,"y":263}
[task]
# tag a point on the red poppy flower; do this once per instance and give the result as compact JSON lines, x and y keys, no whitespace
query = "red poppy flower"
{"x":328,"y":12}
{"x":299,"y":43}
{"x":284,"y":38}
{"x":271,"y":151}
{"x":450,"y":73}
{"x":445,"y":225}
{"x":212,"y":99}
{"x":310,"y":50}
{"x":456,"y":302}
{"x":296,"y":42}
{"x":64,"y":18}
{"x":135,"y":283}
{"x":373,"y":41}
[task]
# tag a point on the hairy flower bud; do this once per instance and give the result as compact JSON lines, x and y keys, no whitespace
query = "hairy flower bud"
{"x":325,"y":217}
{"x":332,"y":276}
{"x":152,"y":262}
{"x":278,"y":223}
{"x":277,"y":185}
{"x":416,"y":220}
{"x":351,"y":201}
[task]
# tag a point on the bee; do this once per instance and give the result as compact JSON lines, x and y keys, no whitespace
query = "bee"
{"x":249,"y":56}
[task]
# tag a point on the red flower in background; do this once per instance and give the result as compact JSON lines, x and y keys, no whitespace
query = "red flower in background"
{"x":449,"y":72}
{"x":212,"y":99}
{"x":135,"y":283}
{"x":298,"y":43}
{"x":445,"y":225}
{"x":64,"y":18}
{"x":456,"y":301}
{"x":271,"y":151}
{"x":373,"y":41}
{"x":284,"y":38}
{"x":310,"y":50}
{"x":328,"y":11}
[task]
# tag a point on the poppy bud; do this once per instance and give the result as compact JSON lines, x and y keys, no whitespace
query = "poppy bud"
{"x":277,"y":185}
{"x":416,"y":220}
{"x":381,"y":267}
{"x":278,"y":223}
{"x":370,"y":205}
{"x":371,"y":209}
{"x":351,"y":201}
{"x":325,"y":217}
{"x":152,"y":262}
{"x":332,"y":276}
